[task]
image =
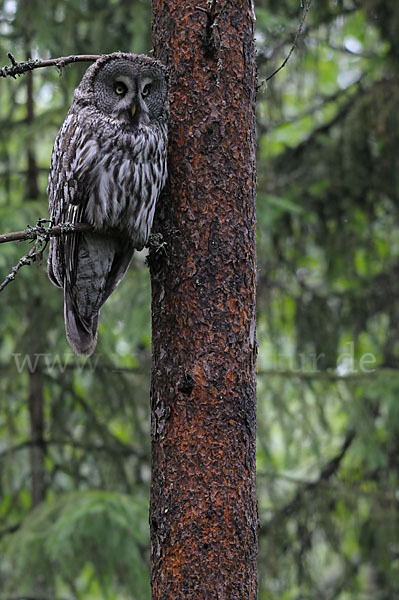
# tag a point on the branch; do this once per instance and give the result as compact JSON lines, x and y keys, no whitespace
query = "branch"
{"x":329,"y":469}
{"x":18,"y":68}
{"x":298,"y":33}
{"x":118,"y":449}
{"x":41,"y":235}
{"x":321,"y":103}
{"x":328,"y":375}
{"x":35,"y":253}
{"x":39,"y":231}
{"x":10,"y":529}
{"x":32,"y":598}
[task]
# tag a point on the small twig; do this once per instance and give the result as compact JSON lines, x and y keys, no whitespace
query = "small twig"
{"x":18,"y":68}
{"x":298,"y":33}
{"x":12,"y":59}
{"x":34,"y":254}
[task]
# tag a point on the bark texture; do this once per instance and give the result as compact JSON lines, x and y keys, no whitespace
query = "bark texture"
{"x":203,"y":508}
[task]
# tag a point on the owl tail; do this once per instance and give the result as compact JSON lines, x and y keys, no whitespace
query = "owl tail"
{"x":81,"y":332}
{"x":96,"y":265}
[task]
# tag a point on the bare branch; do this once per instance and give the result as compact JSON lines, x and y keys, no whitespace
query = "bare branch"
{"x":41,"y":235}
{"x":298,"y":33}
{"x":35,"y":253}
{"x":39,"y":231}
{"x":18,"y":68}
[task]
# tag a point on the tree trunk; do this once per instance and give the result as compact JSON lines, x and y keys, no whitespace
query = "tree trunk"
{"x":35,"y":400}
{"x":37,"y":450}
{"x":41,"y":586}
{"x":203,"y":514}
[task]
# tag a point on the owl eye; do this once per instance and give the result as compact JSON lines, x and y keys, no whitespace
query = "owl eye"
{"x":146,"y":90}
{"x":120,"y":88}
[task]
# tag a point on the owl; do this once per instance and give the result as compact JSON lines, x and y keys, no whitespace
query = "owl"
{"x":107,"y":169}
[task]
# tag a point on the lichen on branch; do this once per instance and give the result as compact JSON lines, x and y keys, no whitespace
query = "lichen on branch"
{"x":19,"y":68}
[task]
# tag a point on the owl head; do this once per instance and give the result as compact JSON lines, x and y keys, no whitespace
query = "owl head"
{"x":130,"y":88}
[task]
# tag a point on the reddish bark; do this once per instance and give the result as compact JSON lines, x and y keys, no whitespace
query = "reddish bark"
{"x":203,"y":507}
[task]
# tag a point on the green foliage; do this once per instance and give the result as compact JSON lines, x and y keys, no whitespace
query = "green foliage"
{"x":81,"y":535}
{"x":327,"y":304}
{"x":328,"y":315}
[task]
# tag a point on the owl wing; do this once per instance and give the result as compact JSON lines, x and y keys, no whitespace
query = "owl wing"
{"x":87,"y":266}
{"x":72,"y":160}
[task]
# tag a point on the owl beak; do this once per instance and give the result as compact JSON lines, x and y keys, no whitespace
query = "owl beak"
{"x":133,"y":110}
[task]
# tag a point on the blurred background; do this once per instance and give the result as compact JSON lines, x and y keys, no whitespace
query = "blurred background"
{"x":74,"y":433}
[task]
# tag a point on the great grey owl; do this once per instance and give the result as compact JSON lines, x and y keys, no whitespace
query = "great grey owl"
{"x":108,"y":168}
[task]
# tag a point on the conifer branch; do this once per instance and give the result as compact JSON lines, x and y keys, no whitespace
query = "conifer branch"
{"x":326,"y":473}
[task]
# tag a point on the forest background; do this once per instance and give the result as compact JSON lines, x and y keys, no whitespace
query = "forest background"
{"x":328,"y":314}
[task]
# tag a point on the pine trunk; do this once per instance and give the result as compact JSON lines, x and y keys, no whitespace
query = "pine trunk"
{"x":203,"y":514}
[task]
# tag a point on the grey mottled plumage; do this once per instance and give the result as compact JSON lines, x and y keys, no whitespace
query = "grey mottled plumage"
{"x":107,"y":169}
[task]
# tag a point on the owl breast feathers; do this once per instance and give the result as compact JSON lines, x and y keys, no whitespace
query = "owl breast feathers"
{"x":108,"y":168}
